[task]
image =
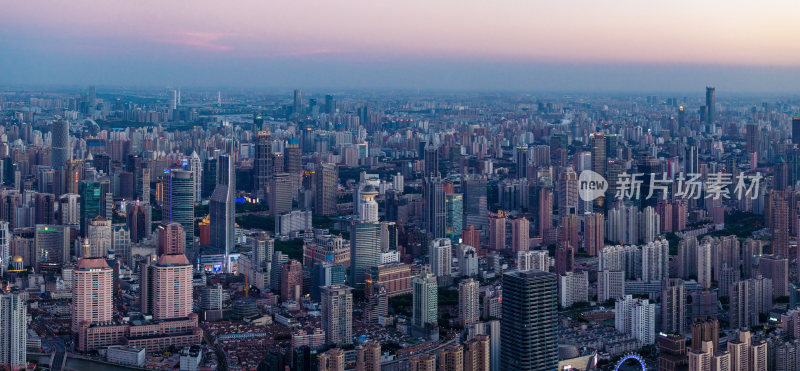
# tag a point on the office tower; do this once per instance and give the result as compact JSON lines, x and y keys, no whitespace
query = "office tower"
{"x":293,"y":157}
{"x":330,"y":104}
{"x":497,"y":231}
{"x":468,"y":302}
{"x":291,"y":281}
{"x":565,"y":259}
{"x":14,"y":336}
{"x":261,"y":170}
{"x":529,"y":321}
{"x":138,"y":220}
{"x":475,"y":196}
{"x":440,"y":254}
{"x":520,"y":234}
{"x":451,"y":358}
{"x":521,"y":160}
{"x":671,"y":352}
{"x":573,"y":287}
{"x":337,"y":314}
{"x":673,"y":306}
{"x":779,"y":222}
{"x":691,"y":160}
{"x":121,"y":244}
{"x":298,"y":102}
{"x":99,"y":235}
{"x":326,"y":274}
{"x":594,"y":233}
{"x":687,"y":257}
{"x":280,"y":196}
{"x":610,"y":285}
{"x":748,"y":298}
{"x":423,"y":362}
{"x":711,"y":104}
{"x":367,"y":206}
{"x":434,"y":212}
{"x":425,"y":301}
{"x":635,"y":317}
{"x":454,"y":207}
{"x":467,"y":260}
{"x":172,"y":286}
{"x":5,"y":248}
{"x":180,"y":203}
{"x":477,"y":356}
{"x":171,"y":239}
{"x":45,"y":204}
{"x":222,"y":207}
{"x":777,"y":270}
{"x":365,"y":249}
{"x":597,"y":141}
{"x":369,"y":356}
{"x":332,"y":360}
{"x":197,"y":175}
{"x":751,"y":137}
{"x":545,"y":212}
{"x":703,"y":330}
{"x":90,"y":203}
{"x":655,"y":260}
{"x":796,"y":130}
{"x":567,"y":192}
{"x":61,"y":151}
{"x":326,"y":192}
{"x":92,"y":290}
{"x":52,"y":245}
{"x":431,"y":158}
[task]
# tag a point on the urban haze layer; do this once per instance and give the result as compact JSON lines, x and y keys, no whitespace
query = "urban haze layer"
{"x":205,"y":229}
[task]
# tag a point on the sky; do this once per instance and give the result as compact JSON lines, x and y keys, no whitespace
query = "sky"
{"x":599,"y":45}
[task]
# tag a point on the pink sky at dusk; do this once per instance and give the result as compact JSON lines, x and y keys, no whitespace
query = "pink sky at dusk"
{"x":697,"y":32}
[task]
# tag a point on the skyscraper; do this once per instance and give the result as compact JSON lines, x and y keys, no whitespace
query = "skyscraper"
{"x":636,"y":317}
{"x":5,"y":248}
{"x":599,"y":160}
{"x":180,"y":203}
{"x":435,"y":214}
{"x":673,"y":306}
{"x":222,"y":206}
{"x":99,"y":235}
{"x":477,"y":355}
{"x":567,"y":192}
{"x":171,"y":239}
{"x":468,"y":302}
{"x":522,"y":159}
{"x":796,"y":130}
{"x":520,"y":234}
{"x":14,"y":336}
{"x":365,"y":249}
{"x":779,"y":222}
{"x":529,"y":321}
{"x":497,"y":231}
{"x":337,"y":314}
{"x":545,"y":211}
{"x":61,"y":149}
{"x":425,"y":301}
{"x":326,"y":192}
{"x":367,"y":206}
{"x":280,"y":196}
{"x":454,"y":206}
{"x":431,"y":161}
{"x":298,"y":102}
{"x":172,"y":287}
{"x":196,"y":166}
{"x":710,"y":105}
{"x":92,"y":291}
{"x":90,"y":203}
{"x":440,"y":257}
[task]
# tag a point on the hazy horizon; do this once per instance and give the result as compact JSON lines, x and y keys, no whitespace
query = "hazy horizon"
{"x":621,"y":46}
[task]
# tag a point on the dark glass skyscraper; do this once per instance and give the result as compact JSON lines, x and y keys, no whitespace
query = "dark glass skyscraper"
{"x":60,"y":152}
{"x":90,"y":202}
{"x":222,"y":205}
{"x":528,"y":326}
{"x":710,"y":103}
{"x":435,"y":214}
{"x":180,"y":203}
